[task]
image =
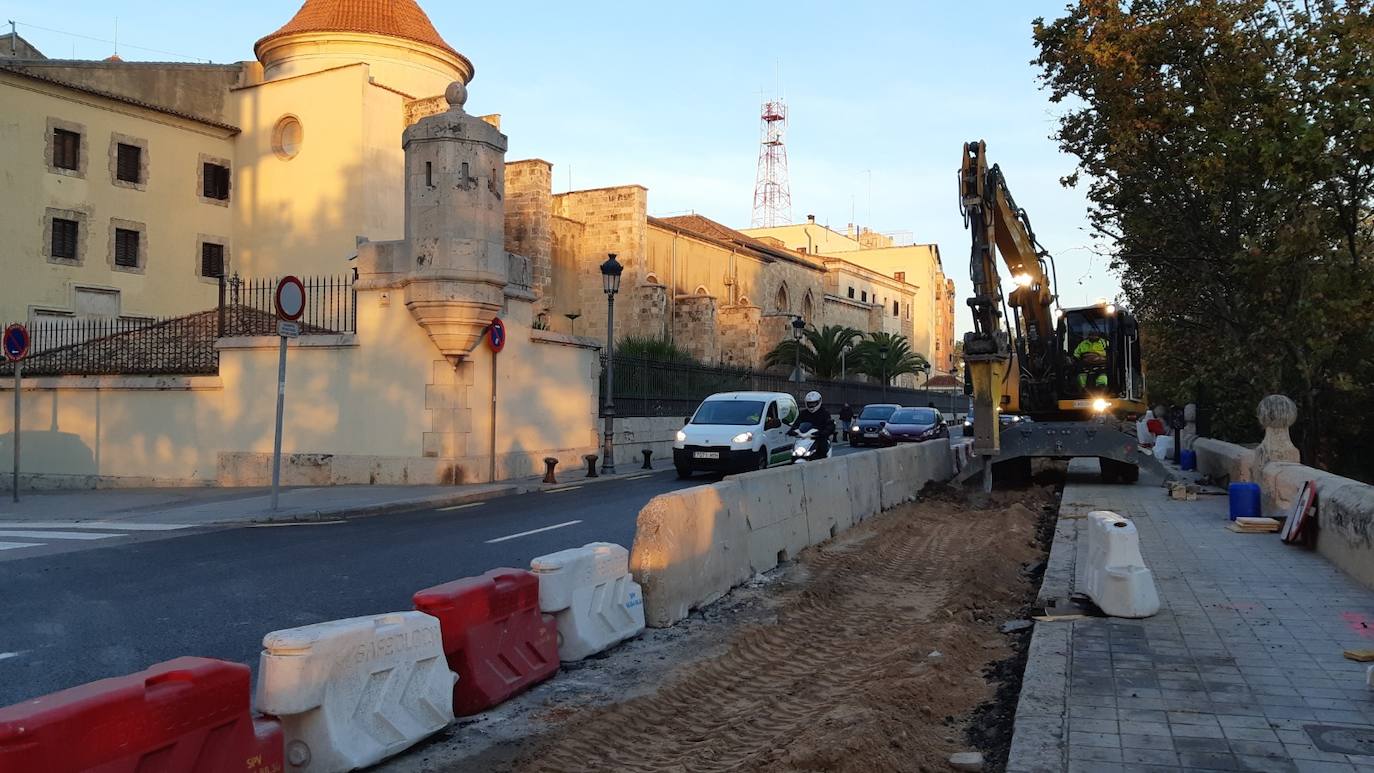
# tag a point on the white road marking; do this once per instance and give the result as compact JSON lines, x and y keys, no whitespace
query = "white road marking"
{"x":116,"y":525}
{"x":637,"y":477}
{"x":57,"y":535}
{"x":461,"y":507}
{"x":8,"y":655}
{"x":13,"y":545}
{"x":564,"y":488}
{"x":531,"y":531}
{"x":293,"y":523}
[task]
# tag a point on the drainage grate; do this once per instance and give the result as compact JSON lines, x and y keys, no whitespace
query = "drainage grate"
{"x":1342,"y":739}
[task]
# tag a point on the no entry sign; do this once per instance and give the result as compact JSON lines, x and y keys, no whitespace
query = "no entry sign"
{"x":496,"y":334}
{"x":290,"y":298}
{"x":16,"y":342}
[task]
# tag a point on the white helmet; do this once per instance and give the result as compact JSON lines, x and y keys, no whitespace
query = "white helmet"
{"x":813,"y":400}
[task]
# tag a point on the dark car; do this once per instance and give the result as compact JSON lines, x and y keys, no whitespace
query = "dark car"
{"x":913,"y":425}
{"x":867,"y":429}
{"x":1005,"y":419}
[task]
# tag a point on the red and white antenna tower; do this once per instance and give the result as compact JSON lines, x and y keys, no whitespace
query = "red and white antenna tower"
{"x":772,"y":198}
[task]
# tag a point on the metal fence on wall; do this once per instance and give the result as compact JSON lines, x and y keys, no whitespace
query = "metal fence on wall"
{"x":655,"y":388}
{"x":185,"y":345}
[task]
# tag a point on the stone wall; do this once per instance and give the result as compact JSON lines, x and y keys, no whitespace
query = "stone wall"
{"x":738,"y":327}
{"x":201,"y":90}
{"x":563,"y":296}
{"x":643,"y":311}
{"x":529,"y":206}
{"x":694,"y":326}
{"x":614,"y":221}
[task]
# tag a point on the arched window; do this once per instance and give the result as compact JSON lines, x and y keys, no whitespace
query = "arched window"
{"x":780,"y":303}
{"x":808,"y":308}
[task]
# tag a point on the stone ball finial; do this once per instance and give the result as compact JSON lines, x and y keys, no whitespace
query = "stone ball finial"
{"x":456,"y":95}
{"x":1277,"y":411}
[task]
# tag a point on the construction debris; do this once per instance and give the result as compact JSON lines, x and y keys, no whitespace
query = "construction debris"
{"x":1360,"y":656}
{"x":1183,"y":491}
{"x":966,"y":761}
{"x":1246,"y":525}
{"x":1012,"y":626}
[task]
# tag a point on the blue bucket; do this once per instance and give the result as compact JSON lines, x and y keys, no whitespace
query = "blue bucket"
{"x":1245,"y":500}
{"x":1187,"y":460}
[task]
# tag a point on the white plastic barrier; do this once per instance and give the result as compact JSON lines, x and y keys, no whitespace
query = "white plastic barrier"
{"x":590,"y":593}
{"x":1112,"y":572}
{"x":351,"y":693}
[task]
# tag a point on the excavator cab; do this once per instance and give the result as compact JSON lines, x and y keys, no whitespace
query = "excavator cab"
{"x":1124,"y":391}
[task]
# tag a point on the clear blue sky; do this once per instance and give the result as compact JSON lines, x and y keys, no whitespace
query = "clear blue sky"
{"x":667,"y":95}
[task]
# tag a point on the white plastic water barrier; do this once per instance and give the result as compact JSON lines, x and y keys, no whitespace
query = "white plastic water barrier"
{"x":351,"y":693}
{"x":591,"y":594}
{"x":1112,"y":572}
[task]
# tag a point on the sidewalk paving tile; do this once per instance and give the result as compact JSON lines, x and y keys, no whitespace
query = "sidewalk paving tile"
{"x":1245,"y":652}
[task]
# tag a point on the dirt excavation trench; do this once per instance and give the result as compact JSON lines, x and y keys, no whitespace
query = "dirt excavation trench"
{"x":877,"y":651}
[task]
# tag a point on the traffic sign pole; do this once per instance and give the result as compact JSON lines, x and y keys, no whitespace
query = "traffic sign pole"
{"x":18,"y":378}
{"x":276,"y":440}
{"x":289,"y":300}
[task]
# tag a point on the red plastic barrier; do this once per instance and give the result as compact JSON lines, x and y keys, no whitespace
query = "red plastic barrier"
{"x":494,"y":636}
{"x":188,"y":714}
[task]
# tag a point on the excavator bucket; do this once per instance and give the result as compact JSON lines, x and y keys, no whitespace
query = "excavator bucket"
{"x":1118,"y":451}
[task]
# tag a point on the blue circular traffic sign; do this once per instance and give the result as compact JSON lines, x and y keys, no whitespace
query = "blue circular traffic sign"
{"x":16,"y":342}
{"x":496,"y":334}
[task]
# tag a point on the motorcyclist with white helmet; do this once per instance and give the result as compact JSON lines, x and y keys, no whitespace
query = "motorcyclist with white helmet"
{"x":815,"y":414}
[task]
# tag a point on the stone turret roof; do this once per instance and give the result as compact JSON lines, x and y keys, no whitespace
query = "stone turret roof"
{"x":394,"y":18}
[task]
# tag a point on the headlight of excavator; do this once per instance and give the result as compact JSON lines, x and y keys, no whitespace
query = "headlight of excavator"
{"x":1100,"y":405}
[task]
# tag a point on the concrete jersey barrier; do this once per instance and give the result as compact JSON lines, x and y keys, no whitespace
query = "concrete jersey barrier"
{"x":829,"y":509}
{"x":592,"y":596}
{"x":351,"y":693}
{"x":773,"y":505}
{"x":1113,"y":573}
{"x":865,"y":487}
{"x":691,"y":547}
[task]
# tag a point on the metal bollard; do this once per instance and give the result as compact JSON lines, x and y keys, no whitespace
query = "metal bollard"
{"x":590,"y":459}
{"x":549,"y":464}
{"x":648,"y":456}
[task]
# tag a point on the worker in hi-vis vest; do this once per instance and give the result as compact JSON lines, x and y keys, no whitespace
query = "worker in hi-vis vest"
{"x":1091,"y":354}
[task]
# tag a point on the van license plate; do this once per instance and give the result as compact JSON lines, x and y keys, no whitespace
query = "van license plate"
{"x":706,"y":455}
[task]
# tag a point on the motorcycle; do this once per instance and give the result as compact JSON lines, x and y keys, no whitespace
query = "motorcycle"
{"x":810,"y":446}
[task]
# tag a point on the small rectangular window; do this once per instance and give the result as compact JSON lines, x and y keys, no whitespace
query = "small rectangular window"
{"x":128,"y":161}
{"x":211,"y":260}
{"x":896,"y":308}
{"x":851,"y":292}
{"x":64,"y":233}
{"x":66,"y":149}
{"x":863,"y":296}
{"x":126,"y":248}
{"x":216,"y":181}
{"x":429,"y":174}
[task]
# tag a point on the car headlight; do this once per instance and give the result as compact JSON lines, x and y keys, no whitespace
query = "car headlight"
{"x":681,"y":436}
{"x":884,"y":431}
{"x":854,"y":428}
{"x":1100,"y":405}
{"x":743,"y":437}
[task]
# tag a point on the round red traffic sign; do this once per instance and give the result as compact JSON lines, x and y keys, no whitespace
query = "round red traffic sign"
{"x":496,"y":334}
{"x":16,"y":342}
{"x":290,"y":298}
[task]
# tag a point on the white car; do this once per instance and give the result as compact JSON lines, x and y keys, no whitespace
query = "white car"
{"x":736,"y":431}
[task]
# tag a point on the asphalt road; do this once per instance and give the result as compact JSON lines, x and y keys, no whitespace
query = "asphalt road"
{"x":76,"y":616}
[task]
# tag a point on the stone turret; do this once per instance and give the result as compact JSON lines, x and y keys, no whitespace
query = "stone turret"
{"x":455,"y":225}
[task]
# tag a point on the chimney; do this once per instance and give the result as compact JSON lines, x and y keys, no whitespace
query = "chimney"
{"x":811,"y":219}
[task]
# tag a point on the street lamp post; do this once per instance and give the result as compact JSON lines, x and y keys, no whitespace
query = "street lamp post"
{"x":572,"y":321}
{"x":798,"y":330}
{"x":882,"y":355}
{"x":610,"y":278}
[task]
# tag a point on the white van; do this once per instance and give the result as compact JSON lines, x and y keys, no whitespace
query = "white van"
{"x":736,"y":431}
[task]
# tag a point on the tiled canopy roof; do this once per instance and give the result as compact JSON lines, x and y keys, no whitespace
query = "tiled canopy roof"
{"x":395,"y":18}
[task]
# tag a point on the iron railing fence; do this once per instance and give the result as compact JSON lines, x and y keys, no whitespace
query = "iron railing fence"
{"x":247,"y":307}
{"x":185,"y":345}
{"x":645,"y":387}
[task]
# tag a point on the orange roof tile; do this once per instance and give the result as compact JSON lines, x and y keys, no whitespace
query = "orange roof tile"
{"x":396,"y":18}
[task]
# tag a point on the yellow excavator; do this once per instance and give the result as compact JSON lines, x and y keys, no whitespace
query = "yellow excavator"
{"x":1066,"y":380}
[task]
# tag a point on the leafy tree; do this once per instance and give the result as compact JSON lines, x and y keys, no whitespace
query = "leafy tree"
{"x":1228,"y":151}
{"x":887,"y":355}
{"x":822,"y":351}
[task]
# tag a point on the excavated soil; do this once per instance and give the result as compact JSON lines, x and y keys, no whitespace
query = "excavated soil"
{"x":844,"y":678}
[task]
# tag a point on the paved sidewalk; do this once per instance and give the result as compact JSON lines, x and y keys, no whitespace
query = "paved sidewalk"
{"x":1242,"y":669}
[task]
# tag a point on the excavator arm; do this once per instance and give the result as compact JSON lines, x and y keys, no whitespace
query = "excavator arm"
{"x":1000,"y":228}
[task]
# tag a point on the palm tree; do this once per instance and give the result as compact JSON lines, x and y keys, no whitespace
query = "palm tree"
{"x":822,"y":351}
{"x":886,"y":356}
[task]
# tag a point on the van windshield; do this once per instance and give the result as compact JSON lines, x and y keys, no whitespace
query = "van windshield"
{"x":739,"y":412}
